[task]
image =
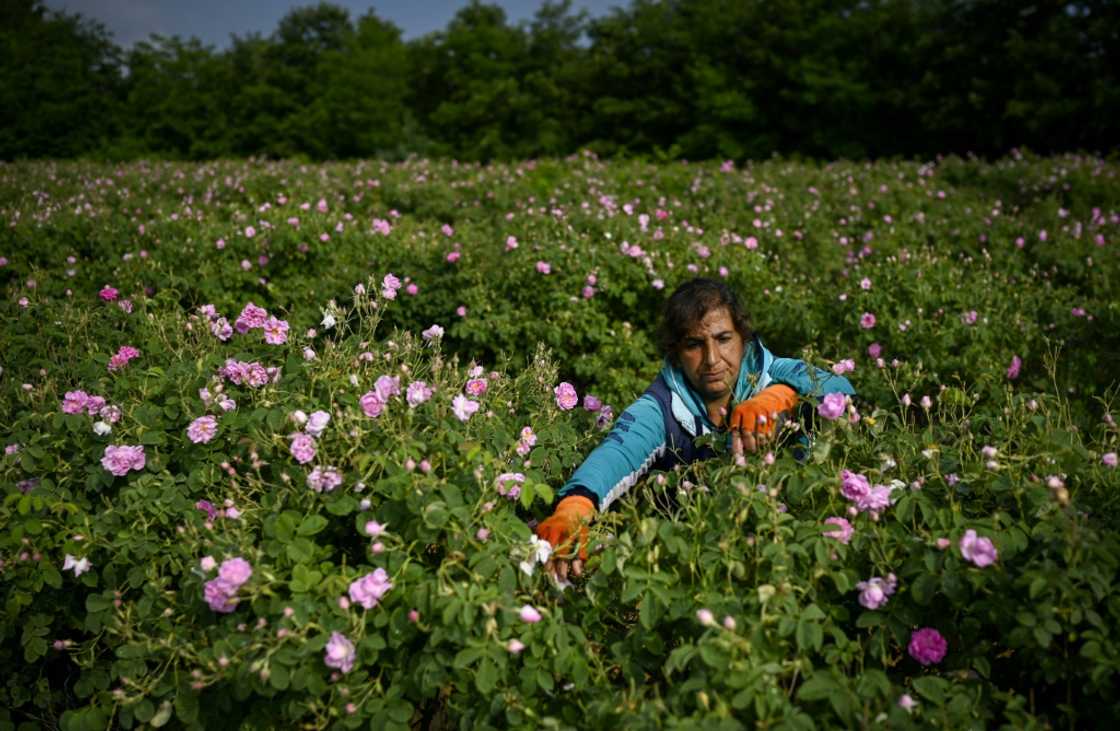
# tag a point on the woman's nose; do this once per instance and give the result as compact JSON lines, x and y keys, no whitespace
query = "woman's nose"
{"x":710,"y":355}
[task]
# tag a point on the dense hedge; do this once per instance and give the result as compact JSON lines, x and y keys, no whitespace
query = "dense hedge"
{"x":357,"y":439}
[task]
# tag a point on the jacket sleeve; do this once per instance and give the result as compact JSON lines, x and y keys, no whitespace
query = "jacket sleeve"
{"x":634,"y":443}
{"x":808,"y":380}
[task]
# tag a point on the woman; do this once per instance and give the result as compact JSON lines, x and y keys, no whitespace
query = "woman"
{"x":713,"y":366}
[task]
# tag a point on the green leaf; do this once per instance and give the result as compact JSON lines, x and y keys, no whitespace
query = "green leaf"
{"x":51,"y":576}
{"x":153,"y":438}
{"x":647,"y":610}
{"x":466,"y":657}
{"x":818,"y":687}
{"x":809,"y":635}
{"x":923,"y":589}
{"x":279,"y":677}
{"x":487,"y":677}
{"x":870,"y":619}
{"x":342,"y":505}
{"x":186,"y":702}
{"x":311,"y":525}
{"x":932,"y":688}
{"x":144,"y":710}
{"x":528,"y":492}
{"x":34,"y":648}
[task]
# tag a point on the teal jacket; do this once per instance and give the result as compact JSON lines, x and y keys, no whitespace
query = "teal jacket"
{"x":644,"y":434}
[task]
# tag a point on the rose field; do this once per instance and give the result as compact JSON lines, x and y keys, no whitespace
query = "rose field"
{"x":276,"y":436}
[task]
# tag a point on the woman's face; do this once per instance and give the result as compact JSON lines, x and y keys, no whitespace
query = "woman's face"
{"x":710,"y":355}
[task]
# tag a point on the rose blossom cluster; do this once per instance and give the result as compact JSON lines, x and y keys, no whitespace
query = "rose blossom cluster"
{"x":77,"y":402}
{"x":303,"y":442}
{"x":389,"y":286}
{"x":368,"y":590}
{"x":121,"y":358}
{"x":252,"y":374}
{"x":374,"y":402}
{"x":219,"y":326}
{"x":221,"y":592}
{"x":606,"y":417}
{"x":225,"y":403}
{"x":509,"y":484}
{"x":874,"y":592}
{"x":213,"y":513}
{"x":324,"y":479}
{"x":865,"y":496}
{"x":596,"y":406}
{"x":252,"y":317}
{"x":527,"y":441}
{"x":120,"y":459}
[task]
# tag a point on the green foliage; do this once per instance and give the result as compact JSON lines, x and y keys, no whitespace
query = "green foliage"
{"x":712,"y":597}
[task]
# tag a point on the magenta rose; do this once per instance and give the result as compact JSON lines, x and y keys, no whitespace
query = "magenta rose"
{"x":927,"y":646}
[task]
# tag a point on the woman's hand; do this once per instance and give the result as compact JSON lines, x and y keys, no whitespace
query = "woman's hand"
{"x":567,"y":526}
{"x":754,"y":422}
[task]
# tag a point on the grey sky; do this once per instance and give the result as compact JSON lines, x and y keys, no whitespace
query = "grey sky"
{"x":213,"y":21}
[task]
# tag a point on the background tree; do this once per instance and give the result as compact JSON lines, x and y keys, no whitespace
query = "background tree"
{"x":173,"y":104}
{"x":59,"y":82}
{"x":666,"y":78}
{"x":360,"y":97}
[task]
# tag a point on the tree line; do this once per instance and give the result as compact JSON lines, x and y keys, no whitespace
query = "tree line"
{"x":661,"y":78}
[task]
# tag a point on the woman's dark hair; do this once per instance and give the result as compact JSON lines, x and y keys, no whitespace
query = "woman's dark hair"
{"x":688,"y":305}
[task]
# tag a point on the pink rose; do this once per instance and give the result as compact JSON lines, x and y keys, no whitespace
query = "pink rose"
{"x":303,"y":448}
{"x":832,"y":406}
{"x":566,"y":396}
{"x":927,"y":646}
{"x":977,"y":549}
{"x":339,"y":653}
{"x":369,"y":589}
{"x":372,"y":404}
{"x":121,"y":459}
{"x":203,"y":429}
{"x":842,"y":532}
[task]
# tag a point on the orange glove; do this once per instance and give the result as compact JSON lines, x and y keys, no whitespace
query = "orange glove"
{"x":572,"y":515}
{"x":759,"y":414}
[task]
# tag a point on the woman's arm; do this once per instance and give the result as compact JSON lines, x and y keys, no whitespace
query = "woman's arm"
{"x":634,"y":443}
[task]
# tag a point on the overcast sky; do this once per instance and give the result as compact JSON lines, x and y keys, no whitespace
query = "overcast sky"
{"x":213,"y":21}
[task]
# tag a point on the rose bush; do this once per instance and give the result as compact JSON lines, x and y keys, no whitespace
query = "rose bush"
{"x":293,"y":481}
